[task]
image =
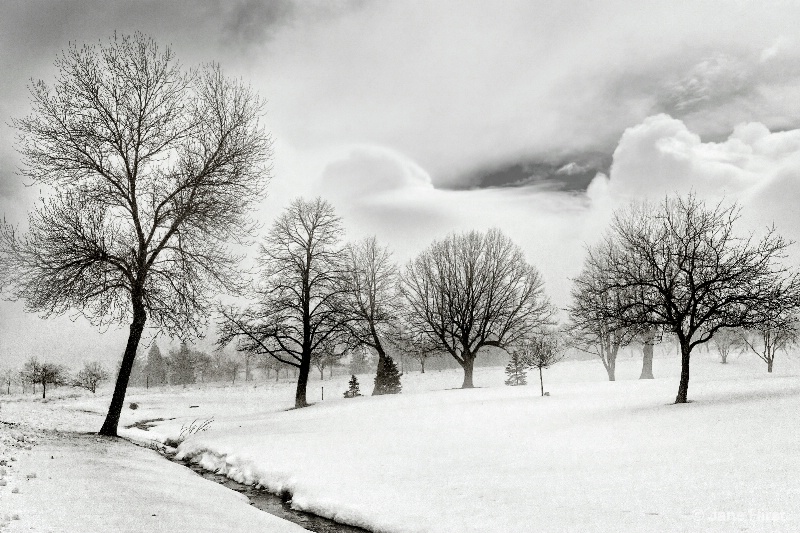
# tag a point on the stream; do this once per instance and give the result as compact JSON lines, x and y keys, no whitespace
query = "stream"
{"x":274,"y":504}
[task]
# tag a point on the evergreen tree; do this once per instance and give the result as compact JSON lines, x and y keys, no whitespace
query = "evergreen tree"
{"x":182,"y":365}
{"x":515,"y":370}
{"x":354,"y":389}
{"x":156,"y":368}
{"x":387,"y":380}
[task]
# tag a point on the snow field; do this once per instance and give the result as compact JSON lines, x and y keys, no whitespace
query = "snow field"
{"x":594,"y":456}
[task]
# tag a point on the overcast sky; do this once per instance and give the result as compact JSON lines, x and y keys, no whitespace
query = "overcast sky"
{"x":418,"y":118}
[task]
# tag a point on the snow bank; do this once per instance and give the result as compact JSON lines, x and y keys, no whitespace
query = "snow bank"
{"x":68,"y":482}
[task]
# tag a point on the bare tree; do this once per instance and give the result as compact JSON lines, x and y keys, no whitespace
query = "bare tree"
{"x":588,"y":330}
{"x":370,"y":299}
{"x":7,"y":378}
{"x":299,"y":299}
{"x":90,"y":376}
{"x":44,"y":374}
{"x":412,"y":345}
{"x":154,"y":169}
{"x":232,"y":366}
{"x":726,"y":341}
{"x":266,"y":363}
{"x":328,"y":356}
{"x":541,"y":350}
{"x":766,"y":339}
{"x":203,"y":365}
{"x":473,"y":290}
{"x":687,"y":273}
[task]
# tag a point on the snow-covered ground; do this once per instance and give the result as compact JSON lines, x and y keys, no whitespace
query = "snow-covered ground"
{"x":56,"y":478}
{"x":593,"y":456}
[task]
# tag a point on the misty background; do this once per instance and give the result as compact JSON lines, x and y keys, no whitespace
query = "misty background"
{"x":416,"y":119}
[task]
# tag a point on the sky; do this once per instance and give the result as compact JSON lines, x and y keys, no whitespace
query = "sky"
{"x":420,"y":118}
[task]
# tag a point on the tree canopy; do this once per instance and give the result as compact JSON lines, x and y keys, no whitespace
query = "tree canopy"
{"x":152,"y":169}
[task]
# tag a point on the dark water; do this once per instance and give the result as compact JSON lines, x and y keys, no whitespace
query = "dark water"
{"x":275,"y":505}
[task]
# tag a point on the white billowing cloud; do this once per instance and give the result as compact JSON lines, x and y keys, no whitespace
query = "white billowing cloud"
{"x":757,"y":168}
{"x":457,"y":86}
{"x":385,"y":193}
{"x":371,"y":170}
{"x":382,"y":192}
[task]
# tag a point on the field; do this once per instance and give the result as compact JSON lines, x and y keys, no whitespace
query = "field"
{"x":592,"y":456}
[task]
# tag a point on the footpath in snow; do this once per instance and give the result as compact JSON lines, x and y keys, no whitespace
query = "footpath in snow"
{"x":67,"y":481}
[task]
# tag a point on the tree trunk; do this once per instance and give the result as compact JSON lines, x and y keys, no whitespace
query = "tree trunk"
{"x":724,"y":357}
{"x":380,"y":374}
{"x":422,"y":364}
{"x":469,"y":363}
{"x":330,"y":372}
{"x":44,"y":386}
{"x":611,"y":367}
{"x":647,"y":361}
{"x":769,"y":365}
{"x":322,"y":374}
{"x":109,"y":428}
{"x":302,"y":380}
{"x":541,"y":381}
{"x":683,"y":388}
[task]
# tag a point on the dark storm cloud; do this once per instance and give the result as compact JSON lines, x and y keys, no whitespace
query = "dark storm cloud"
{"x":711,"y":91}
{"x":254,"y":21}
{"x":567,"y":173}
{"x":33,"y":33}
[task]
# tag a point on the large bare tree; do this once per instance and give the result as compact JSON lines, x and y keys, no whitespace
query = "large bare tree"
{"x":371,"y":299}
{"x":588,"y":330}
{"x":153,"y":170}
{"x":472,"y":290}
{"x":297,"y":305}
{"x":688,"y":273}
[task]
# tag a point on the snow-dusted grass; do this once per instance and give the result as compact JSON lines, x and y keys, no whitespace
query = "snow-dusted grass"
{"x":593,"y":456}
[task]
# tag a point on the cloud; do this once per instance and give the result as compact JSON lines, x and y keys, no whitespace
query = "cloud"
{"x":372,"y":169}
{"x":463,"y":90}
{"x":255,"y":21}
{"x":381,"y":106}
{"x":709,"y":82}
{"x":384,"y":192}
{"x":755,"y":167}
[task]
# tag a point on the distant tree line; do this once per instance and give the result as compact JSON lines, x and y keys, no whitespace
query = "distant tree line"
{"x":40,"y":375}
